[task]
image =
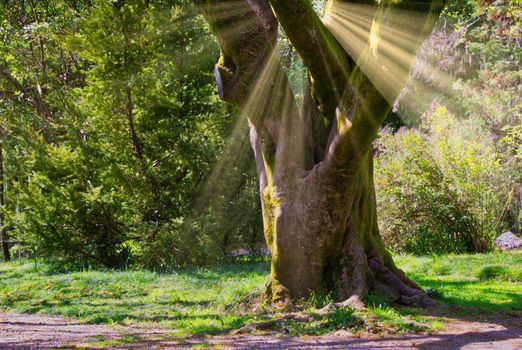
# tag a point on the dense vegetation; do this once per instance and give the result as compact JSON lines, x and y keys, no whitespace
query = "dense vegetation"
{"x":449,"y":172}
{"x":110,"y":129}
{"x":110,"y":132}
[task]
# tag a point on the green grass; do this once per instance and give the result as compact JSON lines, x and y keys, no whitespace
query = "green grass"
{"x":219,"y":298}
{"x":491,"y":282}
{"x":205,"y":300}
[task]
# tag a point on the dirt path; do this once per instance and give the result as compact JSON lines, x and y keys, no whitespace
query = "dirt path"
{"x":20,"y":331}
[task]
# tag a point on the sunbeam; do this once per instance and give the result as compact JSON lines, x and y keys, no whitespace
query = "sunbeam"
{"x":384,"y":46}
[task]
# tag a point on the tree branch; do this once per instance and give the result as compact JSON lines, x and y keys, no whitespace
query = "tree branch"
{"x":250,"y":76}
{"x":247,"y":33}
{"x":328,"y":64}
{"x":338,"y":83}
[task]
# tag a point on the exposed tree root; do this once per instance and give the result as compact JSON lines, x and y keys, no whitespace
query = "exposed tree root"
{"x":399,"y":290}
{"x":355,"y":302}
{"x":271,"y":324}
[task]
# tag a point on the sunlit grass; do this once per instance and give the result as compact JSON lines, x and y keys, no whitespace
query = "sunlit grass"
{"x":491,"y":282}
{"x":191,"y":301}
{"x":219,"y":298}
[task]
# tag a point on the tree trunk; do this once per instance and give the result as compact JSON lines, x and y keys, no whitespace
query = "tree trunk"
{"x":323,"y":238}
{"x":319,"y":210}
{"x":3,"y":229}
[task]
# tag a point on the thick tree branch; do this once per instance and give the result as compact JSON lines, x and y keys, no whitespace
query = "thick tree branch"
{"x":361,"y":108}
{"x":247,"y":33}
{"x":250,"y":76}
{"x":328,"y":64}
{"x":334,"y":76}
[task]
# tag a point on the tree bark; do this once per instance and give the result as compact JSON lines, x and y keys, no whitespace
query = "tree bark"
{"x":319,"y":211}
{"x":3,"y":229}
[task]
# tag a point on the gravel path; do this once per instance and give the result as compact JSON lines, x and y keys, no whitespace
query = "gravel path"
{"x":21,"y":331}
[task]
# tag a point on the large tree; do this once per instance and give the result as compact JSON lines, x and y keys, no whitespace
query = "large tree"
{"x":315,"y":163}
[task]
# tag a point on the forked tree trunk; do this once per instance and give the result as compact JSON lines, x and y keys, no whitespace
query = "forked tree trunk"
{"x":323,"y":240}
{"x":314,"y":166}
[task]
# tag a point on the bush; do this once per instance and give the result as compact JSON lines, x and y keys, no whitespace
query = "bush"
{"x":442,"y":187}
{"x":452,"y":181}
{"x":66,"y":213}
{"x":502,"y":273}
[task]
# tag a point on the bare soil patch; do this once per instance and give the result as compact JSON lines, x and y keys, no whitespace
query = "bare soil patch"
{"x":23,"y":331}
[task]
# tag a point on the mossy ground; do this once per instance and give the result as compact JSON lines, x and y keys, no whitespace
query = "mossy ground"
{"x":226,"y":296}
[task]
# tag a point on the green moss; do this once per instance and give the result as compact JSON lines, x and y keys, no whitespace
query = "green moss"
{"x":270,"y":205}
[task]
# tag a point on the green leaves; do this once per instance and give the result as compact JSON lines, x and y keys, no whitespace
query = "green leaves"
{"x":133,"y":127}
{"x":442,"y":188}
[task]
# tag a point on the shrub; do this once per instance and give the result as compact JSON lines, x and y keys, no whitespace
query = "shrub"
{"x":501,"y":273}
{"x":64,"y":212}
{"x":340,"y":318}
{"x":442,"y":187}
{"x":452,"y":181}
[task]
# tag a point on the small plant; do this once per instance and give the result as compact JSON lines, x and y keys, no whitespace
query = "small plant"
{"x":498,"y":272}
{"x":433,"y":293}
{"x":374,"y":300}
{"x":340,"y":318}
{"x":440,"y":269}
{"x":386,"y":313}
{"x":317,"y":299}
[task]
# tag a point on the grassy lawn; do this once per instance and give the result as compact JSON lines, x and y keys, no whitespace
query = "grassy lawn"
{"x":190,"y":301}
{"x":491,"y":282}
{"x":219,"y":298}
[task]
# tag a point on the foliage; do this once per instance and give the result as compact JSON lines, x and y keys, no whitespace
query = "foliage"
{"x":134,"y":126}
{"x":317,"y":300}
{"x":443,"y":188}
{"x":451,"y":182}
{"x":339,"y":318}
{"x":471,"y":63}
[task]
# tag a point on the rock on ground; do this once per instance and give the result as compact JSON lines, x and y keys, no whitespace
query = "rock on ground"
{"x":508,"y":241}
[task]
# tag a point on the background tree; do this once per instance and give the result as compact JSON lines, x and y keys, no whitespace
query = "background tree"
{"x":35,"y":73}
{"x":111,"y":128}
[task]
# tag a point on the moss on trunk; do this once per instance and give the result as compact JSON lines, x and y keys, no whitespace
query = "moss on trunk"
{"x":323,"y":240}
